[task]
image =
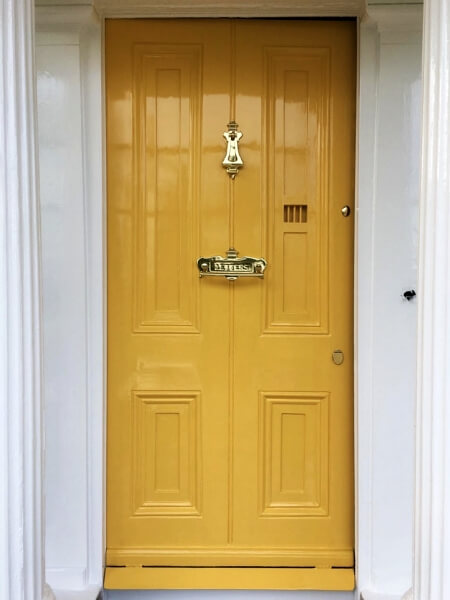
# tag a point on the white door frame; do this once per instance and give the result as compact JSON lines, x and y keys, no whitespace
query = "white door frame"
{"x":21,"y":555}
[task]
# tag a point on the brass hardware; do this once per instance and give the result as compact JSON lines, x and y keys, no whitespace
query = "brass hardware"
{"x":346,"y":210}
{"x":232,"y":161}
{"x":232,"y":267}
{"x":338,"y":357}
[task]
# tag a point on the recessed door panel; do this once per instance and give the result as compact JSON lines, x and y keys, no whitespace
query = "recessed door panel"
{"x":296,"y":106}
{"x":229,"y":424}
{"x":167,"y":105}
{"x":167,"y":453}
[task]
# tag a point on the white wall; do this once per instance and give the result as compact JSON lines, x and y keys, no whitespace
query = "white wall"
{"x":70,"y":127}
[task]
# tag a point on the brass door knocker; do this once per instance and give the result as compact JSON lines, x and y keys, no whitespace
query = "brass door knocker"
{"x":232,"y":161}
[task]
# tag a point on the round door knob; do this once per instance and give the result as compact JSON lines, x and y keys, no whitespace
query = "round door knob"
{"x":346,"y":210}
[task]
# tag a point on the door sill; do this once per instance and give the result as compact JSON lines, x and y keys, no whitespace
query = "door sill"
{"x":228,"y":578}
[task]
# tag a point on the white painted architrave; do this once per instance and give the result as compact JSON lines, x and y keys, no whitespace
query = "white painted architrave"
{"x":230,"y":8}
{"x":432,"y":513}
{"x":21,"y":457}
{"x":70,"y":137}
{"x":386,"y":260}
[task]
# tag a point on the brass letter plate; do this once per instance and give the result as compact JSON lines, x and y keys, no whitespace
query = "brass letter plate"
{"x":231,"y":267}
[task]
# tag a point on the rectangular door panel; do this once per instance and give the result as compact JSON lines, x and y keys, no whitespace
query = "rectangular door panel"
{"x":293,"y":455}
{"x":167,"y":95}
{"x":167,"y":453}
{"x":295,"y":109}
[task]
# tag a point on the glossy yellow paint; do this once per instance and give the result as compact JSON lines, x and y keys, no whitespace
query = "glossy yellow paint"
{"x":235,"y":578}
{"x":229,"y":425}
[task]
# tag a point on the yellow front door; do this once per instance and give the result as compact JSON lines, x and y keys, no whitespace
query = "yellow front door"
{"x":229,"y":409}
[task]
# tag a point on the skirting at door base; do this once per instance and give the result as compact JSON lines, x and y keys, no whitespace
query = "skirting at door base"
{"x":230,"y":578}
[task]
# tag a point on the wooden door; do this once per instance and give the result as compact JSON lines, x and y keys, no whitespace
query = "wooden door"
{"x":229,"y":424}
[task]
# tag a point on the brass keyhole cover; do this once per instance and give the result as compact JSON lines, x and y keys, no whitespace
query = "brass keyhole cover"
{"x":338,"y":357}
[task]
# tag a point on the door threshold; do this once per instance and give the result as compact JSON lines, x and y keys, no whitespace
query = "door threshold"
{"x":229,"y":578}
